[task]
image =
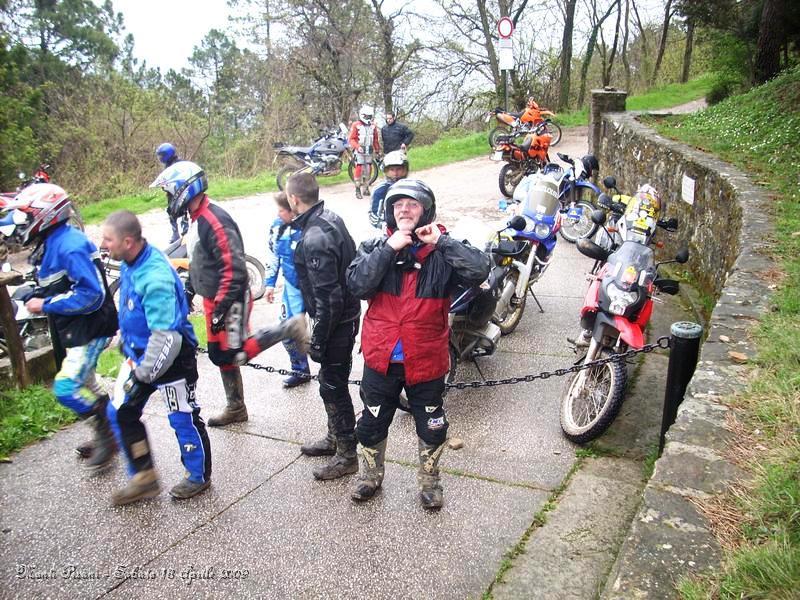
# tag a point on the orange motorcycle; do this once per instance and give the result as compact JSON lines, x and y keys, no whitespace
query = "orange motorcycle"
{"x":521,"y":159}
{"x":510,"y":124}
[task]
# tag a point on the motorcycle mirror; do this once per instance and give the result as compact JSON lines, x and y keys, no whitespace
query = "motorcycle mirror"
{"x":618,"y":207}
{"x":682,"y":256}
{"x":667,"y":286}
{"x":605,"y":201}
{"x":599,"y":217}
{"x":610,"y":182}
{"x":592,"y":250}
{"x":518,"y":223}
{"x":564,"y":157}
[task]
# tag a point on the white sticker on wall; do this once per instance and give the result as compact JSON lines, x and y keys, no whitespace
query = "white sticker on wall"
{"x":687,"y":189}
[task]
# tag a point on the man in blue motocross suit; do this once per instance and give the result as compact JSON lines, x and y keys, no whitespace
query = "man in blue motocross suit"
{"x":282,"y":242}
{"x":159,"y":347}
{"x":72,"y":291}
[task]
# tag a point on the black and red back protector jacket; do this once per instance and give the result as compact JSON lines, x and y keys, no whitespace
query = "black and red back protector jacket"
{"x":216,"y":254}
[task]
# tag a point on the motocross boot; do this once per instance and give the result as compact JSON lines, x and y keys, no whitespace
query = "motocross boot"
{"x":188,"y":488}
{"x":105,"y":445}
{"x":142,"y":485}
{"x":343,"y":462}
{"x":430,"y":488}
{"x":358,"y":192}
{"x":294,"y":329}
{"x":370,"y":476}
{"x":85,"y":449}
{"x":235,"y":411}
{"x":324,"y":447}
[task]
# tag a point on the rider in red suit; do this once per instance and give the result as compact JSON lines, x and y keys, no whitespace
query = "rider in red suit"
{"x":364,"y":140}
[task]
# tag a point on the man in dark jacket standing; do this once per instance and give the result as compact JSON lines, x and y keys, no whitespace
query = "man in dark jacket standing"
{"x":408,"y":277}
{"x":394,"y":135}
{"x":321,"y":259}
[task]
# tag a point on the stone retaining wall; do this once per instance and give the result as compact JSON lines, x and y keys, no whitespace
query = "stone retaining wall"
{"x":728,"y":231}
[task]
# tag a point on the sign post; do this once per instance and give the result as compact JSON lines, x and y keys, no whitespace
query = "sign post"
{"x":505,"y":28}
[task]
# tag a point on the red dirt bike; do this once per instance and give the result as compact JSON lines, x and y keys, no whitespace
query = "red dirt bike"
{"x":521,"y":159}
{"x":42,"y":175}
{"x":509,"y":124}
{"x":616,"y":311}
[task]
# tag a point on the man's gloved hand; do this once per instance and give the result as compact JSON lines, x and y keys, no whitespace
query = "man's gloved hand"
{"x":316,"y":351}
{"x":217,"y":323}
{"x":133,"y":388}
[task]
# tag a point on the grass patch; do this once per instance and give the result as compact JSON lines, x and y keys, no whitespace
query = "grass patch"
{"x":673,"y":94}
{"x":758,"y":132}
{"x":29,"y":415}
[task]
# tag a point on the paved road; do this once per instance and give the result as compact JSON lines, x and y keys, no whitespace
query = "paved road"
{"x":266,"y":528}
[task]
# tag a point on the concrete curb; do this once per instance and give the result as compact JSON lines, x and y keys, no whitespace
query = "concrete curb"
{"x":668,"y":537}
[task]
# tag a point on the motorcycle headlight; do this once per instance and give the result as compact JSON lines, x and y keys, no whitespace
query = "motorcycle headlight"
{"x":620,"y":299}
{"x":542,"y":230}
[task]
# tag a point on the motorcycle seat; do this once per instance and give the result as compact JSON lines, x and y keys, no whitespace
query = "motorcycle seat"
{"x":509,"y":248}
{"x":296,"y":149}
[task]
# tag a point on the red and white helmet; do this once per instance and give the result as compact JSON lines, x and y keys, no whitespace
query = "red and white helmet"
{"x":44,"y":205}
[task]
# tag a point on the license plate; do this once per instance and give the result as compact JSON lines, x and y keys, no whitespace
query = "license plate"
{"x":498,"y":155}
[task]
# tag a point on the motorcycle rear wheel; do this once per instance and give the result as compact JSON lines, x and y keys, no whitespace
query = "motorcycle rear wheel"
{"x":586,"y":412}
{"x":497,"y":131}
{"x":554,"y":130}
{"x":509,"y":178}
{"x":283,"y":175}
{"x":514,"y":315}
{"x":573,"y":230}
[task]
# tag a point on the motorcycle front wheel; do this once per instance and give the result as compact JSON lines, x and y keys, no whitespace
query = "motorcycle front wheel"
{"x":588,"y":409}
{"x":255,"y":275}
{"x":509,"y":178}
{"x":574,"y":229}
{"x":508,"y":322}
{"x":373,"y":174}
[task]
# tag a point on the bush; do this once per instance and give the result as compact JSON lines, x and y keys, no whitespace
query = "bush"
{"x":719,"y":91}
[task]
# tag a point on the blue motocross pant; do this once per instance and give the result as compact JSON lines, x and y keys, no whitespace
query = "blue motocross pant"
{"x":125,"y":412}
{"x":77,"y":371}
{"x":291,"y":305}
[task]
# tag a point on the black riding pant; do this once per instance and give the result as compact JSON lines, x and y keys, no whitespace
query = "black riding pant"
{"x":381,"y":396}
{"x":334,"y":372}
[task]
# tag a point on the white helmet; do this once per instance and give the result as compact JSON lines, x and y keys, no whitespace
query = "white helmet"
{"x":183,"y":181}
{"x":366,"y":112}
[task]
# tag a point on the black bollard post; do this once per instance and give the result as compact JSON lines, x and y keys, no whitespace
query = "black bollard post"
{"x":683,"y":353}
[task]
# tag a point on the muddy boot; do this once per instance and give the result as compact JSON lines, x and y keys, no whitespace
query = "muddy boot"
{"x":343,"y":462}
{"x":430,"y":488}
{"x":358,"y":192}
{"x":142,"y":485}
{"x":370,"y":475}
{"x":235,"y":411}
{"x":188,"y":488}
{"x":294,"y":330}
{"x":104,"y":443}
{"x":324,"y":447}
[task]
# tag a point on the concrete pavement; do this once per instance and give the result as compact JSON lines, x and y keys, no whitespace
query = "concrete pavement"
{"x":267,"y":529}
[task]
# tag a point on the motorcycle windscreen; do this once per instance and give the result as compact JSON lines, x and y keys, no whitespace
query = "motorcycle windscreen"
{"x":632,"y":266}
{"x":541,"y":199}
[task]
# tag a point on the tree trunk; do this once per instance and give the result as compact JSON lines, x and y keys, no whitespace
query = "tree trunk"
{"x":687,"y":52}
{"x":662,"y":44}
{"x":770,"y":39}
{"x":566,"y":53}
{"x":625,"y":62}
{"x":589,"y":53}
{"x":613,"y":53}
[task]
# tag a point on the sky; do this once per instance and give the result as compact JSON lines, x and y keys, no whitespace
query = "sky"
{"x":166,"y":31}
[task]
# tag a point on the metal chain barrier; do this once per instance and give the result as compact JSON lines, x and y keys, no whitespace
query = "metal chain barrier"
{"x":662,"y":343}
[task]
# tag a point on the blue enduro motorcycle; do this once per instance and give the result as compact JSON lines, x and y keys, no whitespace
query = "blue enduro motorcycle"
{"x":323,"y":158}
{"x":577,"y":194}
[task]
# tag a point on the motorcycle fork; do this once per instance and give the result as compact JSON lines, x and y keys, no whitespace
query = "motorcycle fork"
{"x":591,"y":354}
{"x":524,"y":270}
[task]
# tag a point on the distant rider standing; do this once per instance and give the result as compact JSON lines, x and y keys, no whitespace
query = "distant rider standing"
{"x":363,"y":139}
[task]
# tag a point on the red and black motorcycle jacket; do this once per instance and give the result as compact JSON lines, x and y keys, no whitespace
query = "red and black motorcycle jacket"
{"x":409,"y":300}
{"x":218,"y":269}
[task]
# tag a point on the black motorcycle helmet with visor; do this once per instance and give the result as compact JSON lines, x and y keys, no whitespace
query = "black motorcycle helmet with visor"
{"x":415,"y":189}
